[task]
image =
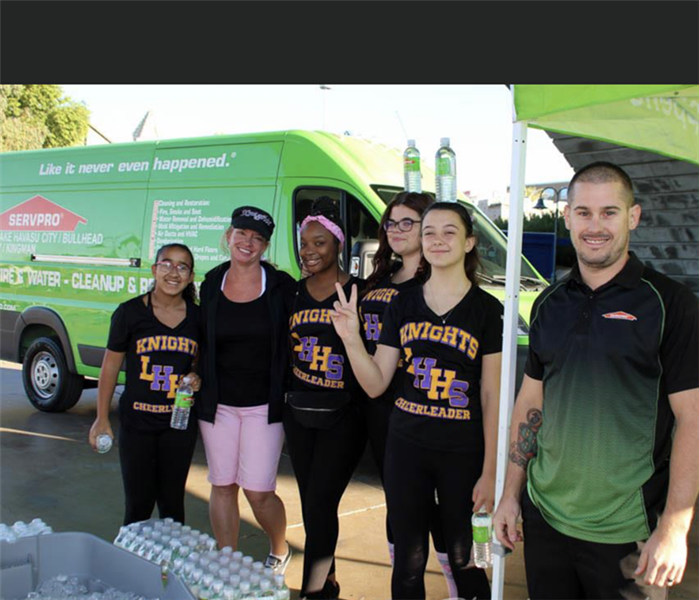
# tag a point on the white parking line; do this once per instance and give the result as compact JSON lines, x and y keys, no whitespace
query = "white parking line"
{"x":345,"y":514}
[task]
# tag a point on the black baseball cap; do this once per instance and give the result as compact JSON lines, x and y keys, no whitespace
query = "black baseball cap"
{"x":250,"y":217}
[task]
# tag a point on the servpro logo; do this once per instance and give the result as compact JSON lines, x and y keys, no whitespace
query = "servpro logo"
{"x":39,"y":214}
{"x":620,"y":315}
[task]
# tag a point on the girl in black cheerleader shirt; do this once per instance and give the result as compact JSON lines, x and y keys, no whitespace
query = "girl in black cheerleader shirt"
{"x":443,"y":429}
{"x":158,"y":333}
{"x":399,"y":236}
{"x":323,"y":417}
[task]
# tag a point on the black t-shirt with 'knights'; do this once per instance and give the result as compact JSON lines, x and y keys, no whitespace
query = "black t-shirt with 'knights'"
{"x":157,"y":356}
{"x":243,"y":351}
{"x":372,"y":309}
{"x":319,"y":362}
{"x":438,"y":400}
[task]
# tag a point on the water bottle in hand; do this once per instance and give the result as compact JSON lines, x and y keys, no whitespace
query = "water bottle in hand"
{"x":104,"y":443}
{"x":183,"y":404}
{"x":482,"y":524}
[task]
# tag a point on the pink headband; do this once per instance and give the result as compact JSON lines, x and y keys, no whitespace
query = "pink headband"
{"x":328,"y":224}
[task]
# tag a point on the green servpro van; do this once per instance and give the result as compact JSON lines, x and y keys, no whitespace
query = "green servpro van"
{"x":79,"y":228}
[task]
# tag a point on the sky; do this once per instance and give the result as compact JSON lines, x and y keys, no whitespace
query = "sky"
{"x":476,"y":118}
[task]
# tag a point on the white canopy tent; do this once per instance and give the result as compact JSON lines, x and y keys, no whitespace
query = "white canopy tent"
{"x":658,"y":118}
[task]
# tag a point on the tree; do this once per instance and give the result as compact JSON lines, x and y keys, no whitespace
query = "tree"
{"x":40,"y":116}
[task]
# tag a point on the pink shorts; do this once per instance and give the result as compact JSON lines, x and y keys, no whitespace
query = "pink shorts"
{"x":242,"y":447}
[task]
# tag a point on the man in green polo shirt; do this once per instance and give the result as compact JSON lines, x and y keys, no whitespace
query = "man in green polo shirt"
{"x":613,"y":366}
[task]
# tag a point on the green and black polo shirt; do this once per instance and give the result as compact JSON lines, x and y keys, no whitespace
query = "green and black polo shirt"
{"x":608,"y":359}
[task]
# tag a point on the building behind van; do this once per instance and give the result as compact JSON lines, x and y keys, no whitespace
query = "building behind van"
{"x":79,"y":229}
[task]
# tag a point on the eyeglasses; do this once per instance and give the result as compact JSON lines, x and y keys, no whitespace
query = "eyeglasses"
{"x":165,"y":266}
{"x":404,"y":224}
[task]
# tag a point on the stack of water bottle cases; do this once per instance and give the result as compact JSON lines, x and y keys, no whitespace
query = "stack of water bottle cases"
{"x":209,"y":573}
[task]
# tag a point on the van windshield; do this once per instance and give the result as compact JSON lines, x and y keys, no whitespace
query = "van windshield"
{"x":492,"y":245}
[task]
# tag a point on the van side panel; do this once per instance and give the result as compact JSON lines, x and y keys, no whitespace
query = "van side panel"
{"x":70,"y":204}
{"x":115,"y":202}
{"x":192,"y":204}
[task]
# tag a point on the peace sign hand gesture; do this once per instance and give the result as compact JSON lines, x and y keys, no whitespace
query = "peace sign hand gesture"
{"x":345,"y":318}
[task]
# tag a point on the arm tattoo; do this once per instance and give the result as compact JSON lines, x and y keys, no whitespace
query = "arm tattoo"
{"x":525,"y":448}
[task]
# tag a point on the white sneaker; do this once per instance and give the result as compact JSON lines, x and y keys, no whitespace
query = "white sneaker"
{"x":279,"y":565}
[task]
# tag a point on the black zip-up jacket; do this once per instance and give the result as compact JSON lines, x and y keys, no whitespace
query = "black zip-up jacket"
{"x":210,"y":293}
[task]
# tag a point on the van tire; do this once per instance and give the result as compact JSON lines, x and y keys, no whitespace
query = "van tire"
{"x":48,"y":384}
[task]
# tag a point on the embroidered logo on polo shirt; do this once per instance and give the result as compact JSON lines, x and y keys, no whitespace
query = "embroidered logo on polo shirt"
{"x":620,"y":315}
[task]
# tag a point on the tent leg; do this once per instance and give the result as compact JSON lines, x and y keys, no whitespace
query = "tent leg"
{"x":509,"y":341}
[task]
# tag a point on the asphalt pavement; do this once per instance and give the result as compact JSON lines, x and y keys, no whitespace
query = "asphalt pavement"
{"x":48,"y":470}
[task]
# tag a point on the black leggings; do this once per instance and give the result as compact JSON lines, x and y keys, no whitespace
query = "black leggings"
{"x":378,"y":413}
{"x":324,"y":461}
{"x":154,"y":468}
{"x":412,"y":475}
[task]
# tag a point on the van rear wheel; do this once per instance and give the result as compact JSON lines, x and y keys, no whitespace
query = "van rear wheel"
{"x":48,"y":384}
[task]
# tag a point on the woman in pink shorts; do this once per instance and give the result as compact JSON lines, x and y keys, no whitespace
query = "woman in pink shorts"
{"x":243,"y":368}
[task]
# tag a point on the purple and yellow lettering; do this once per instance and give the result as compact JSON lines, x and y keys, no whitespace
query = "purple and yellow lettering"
{"x":472,"y":349}
{"x":463,"y":340}
{"x":321,"y":354}
{"x":295,"y":320}
{"x":161,"y":378}
{"x":407,"y":359}
{"x":145,"y":376}
{"x":436,"y":333}
{"x":449,"y":337}
{"x":425,"y":331}
{"x":183,"y":344}
{"x":440,"y":380}
{"x":457,"y":393}
{"x":325,"y":316}
{"x":172,"y":343}
{"x":372,"y":327}
{"x":412,"y":332}
{"x":141,"y":346}
{"x":308,"y":345}
{"x":172,"y":388}
{"x":297,"y":343}
{"x":314,"y":315}
{"x":334,"y":366}
{"x":422,"y":368}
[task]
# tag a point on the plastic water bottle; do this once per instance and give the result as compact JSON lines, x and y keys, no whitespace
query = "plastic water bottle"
{"x":183,"y":405}
{"x":482,"y":524}
{"x":229,"y":592}
{"x":266,"y":590}
{"x":411,"y":168}
{"x":104,"y":443}
{"x":245,"y":593}
{"x":445,"y":170}
{"x":281,"y":590}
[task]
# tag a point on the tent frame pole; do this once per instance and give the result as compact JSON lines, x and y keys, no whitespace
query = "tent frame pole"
{"x":510,"y":324}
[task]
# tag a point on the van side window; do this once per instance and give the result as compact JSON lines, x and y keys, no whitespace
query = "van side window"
{"x":360,"y":227}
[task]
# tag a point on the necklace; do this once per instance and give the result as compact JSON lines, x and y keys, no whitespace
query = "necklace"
{"x":444,"y":317}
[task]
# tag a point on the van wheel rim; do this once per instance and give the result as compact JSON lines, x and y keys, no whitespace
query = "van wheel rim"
{"x":44,"y":374}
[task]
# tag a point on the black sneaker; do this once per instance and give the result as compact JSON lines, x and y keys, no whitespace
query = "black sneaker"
{"x":330,"y":591}
{"x":279,"y":565}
